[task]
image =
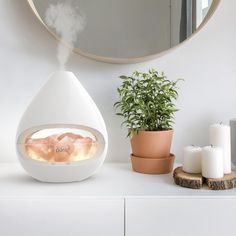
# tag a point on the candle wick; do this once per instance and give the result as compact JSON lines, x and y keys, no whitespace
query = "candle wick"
{"x":193,"y":145}
{"x":221,"y":123}
{"x":211,"y":145}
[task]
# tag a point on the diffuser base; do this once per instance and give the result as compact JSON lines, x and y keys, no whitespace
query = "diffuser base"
{"x":61,"y":173}
{"x":153,"y":165}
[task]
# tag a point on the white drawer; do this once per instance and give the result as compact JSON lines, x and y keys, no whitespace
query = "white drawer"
{"x":61,"y":217}
{"x":185,"y":217}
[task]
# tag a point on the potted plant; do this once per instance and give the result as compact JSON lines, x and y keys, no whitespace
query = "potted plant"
{"x":146,"y":103}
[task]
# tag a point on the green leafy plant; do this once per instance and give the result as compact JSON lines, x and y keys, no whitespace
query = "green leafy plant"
{"x":146,"y":101}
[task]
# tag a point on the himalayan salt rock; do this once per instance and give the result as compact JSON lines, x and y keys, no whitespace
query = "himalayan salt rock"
{"x":60,"y":147}
{"x":70,"y":135}
{"x":63,"y":149}
{"x":42,"y":147}
{"x":83,"y":146}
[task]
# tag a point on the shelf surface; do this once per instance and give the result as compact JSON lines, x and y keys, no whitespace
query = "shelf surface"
{"x":112,"y":180}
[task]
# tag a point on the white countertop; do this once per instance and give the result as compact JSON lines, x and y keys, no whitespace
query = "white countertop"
{"x":112,"y":180}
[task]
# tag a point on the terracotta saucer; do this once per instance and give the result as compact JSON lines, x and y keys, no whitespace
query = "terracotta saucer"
{"x":153,"y":165}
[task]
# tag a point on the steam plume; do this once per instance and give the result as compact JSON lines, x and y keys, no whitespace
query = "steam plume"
{"x":66,"y":19}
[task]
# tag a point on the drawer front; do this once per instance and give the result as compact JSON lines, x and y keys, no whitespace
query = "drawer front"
{"x":61,"y":217}
{"x":185,"y":217}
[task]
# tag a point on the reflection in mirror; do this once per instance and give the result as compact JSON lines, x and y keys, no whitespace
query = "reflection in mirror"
{"x":129,"y":29}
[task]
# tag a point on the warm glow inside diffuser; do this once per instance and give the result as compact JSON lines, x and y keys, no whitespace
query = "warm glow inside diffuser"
{"x":61,"y":145}
{"x":62,"y":136}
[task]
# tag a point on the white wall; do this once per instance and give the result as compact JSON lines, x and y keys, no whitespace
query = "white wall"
{"x":207,"y":62}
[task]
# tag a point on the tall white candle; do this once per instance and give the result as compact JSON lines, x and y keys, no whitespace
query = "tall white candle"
{"x":220,"y":136}
{"x":192,"y":159}
{"x":212,"y":162}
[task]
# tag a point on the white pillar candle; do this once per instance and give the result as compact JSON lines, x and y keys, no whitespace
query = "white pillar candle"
{"x":192,"y":159}
{"x":220,"y":137}
{"x":212,"y":162}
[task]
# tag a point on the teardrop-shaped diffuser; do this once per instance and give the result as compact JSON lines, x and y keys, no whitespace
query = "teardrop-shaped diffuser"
{"x":62,"y":136}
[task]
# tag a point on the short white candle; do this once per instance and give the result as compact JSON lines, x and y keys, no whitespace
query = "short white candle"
{"x":220,"y":137}
{"x":192,"y":159}
{"x":212,"y":162}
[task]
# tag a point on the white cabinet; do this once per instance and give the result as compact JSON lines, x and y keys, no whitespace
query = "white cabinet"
{"x":174,"y":217}
{"x":61,"y":217}
{"x":115,"y":202}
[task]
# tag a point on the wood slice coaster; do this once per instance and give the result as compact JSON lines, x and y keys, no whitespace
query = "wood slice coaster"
{"x":187,"y":180}
{"x":196,"y":181}
{"x":227,"y":182}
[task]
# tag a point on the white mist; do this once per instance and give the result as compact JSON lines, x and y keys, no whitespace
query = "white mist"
{"x":68,"y":21}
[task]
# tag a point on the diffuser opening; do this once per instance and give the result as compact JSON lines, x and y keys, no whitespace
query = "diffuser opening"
{"x":61,"y":144}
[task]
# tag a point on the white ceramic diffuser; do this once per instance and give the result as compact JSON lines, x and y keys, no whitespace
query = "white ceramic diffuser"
{"x":62,"y":136}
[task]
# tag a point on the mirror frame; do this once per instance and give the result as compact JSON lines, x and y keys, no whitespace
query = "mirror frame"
{"x":213,"y":8}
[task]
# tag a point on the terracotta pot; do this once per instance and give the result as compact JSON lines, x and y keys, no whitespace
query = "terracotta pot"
{"x":152,"y":144}
{"x":153,"y":165}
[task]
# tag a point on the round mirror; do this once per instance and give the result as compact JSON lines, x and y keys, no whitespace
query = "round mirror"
{"x":128,"y":31}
